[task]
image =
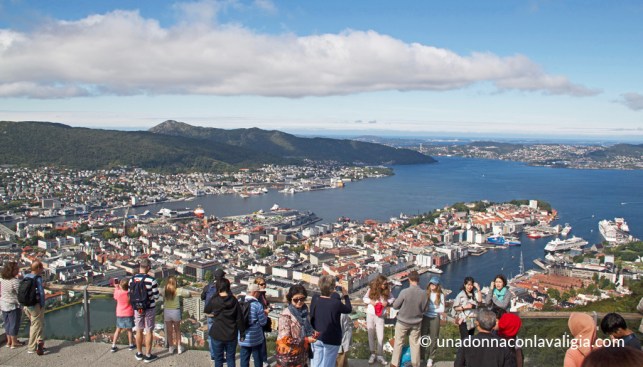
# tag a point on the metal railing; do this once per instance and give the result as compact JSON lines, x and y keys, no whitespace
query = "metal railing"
{"x":87,"y":290}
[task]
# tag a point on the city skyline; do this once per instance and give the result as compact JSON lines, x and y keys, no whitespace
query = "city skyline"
{"x":528,"y":68}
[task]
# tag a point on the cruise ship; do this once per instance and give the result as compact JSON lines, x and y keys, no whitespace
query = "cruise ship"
{"x":616,"y":231}
{"x":565,"y":245}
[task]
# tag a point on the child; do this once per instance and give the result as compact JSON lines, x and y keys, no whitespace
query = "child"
{"x":124,"y":313}
{"x":172,"y":314}
{"x":614,"y":325}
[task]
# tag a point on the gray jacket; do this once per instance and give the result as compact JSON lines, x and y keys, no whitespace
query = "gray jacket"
{"x":411,"y":303}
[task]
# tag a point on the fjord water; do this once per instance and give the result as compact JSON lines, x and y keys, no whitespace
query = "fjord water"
{"x":582,"y":198}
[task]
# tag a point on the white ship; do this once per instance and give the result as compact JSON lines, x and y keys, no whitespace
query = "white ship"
{"x":566,"y":230}
{"x":434,"y":269}
{"x":564,"y":245}
{"x":616,"y":231}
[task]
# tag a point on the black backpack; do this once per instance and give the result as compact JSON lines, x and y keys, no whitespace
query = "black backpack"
{"x":246,"y":306}
{"x":138,"y":296}
{"x":28,"y":294}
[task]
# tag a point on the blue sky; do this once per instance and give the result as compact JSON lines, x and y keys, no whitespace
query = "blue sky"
{"x":496,"y":67}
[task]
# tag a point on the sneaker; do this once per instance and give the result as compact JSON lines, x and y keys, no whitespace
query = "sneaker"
{"x":181,"y":350}
{"x":114,"y":348}
{"x":31,"y":351}
{"x":429,"y":363}
{"x":150,"y":358}
{"x":371,"y":359}
{"x":131,"y":347}
{"x":383,"y":361}
{"x":266,"y":364}
{"x":171,"y":349}
{"x":139,"y":356}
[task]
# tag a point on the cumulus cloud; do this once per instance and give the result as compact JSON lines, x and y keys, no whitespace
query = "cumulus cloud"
{"x":123,"y":53}
{"x":633,"y":101}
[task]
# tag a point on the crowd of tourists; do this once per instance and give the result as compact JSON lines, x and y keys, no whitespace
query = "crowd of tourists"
{"x":318,"y":332}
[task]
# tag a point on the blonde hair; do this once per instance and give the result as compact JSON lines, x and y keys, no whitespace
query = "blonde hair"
{"x":170,"y":288}
{"x":124,"y":284}
{"x":438,"y":292}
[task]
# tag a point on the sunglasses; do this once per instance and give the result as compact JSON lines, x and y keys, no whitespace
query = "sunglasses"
{"x":262,"y":284}
{"x":299,"y":299}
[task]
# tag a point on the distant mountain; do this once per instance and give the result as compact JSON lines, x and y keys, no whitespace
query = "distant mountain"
{"x":285,"y":145}
{"x":44,"y":143}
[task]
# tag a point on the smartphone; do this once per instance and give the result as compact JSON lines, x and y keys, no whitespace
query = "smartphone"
{"x":338,"y":289}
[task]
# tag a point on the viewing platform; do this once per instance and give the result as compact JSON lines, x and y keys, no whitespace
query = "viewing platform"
{"x":66,"y":353}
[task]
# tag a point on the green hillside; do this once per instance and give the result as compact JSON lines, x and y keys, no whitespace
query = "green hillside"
{"x":285,"y":145}
{"x":42,"y":143}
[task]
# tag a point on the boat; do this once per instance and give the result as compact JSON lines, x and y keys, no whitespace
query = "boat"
{"x":434,"y":269}
{"x":535,"y":234}
{"x":395,"y":282}
{"x":614,"y":231}
{"x":502,"y":240}
{"x":199,"y":212}
{"x":243,"y":195}
{"x":557,"y":244}
{"x":566,"y":230}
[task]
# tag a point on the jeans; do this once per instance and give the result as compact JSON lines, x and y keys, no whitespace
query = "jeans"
{"x":324,"y":355}
{"x":219,"y":347}
{"x":264,"y":350}
{"x":211,"y":341}
{"x":244,"y":356}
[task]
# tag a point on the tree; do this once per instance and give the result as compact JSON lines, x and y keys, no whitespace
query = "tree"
{"x":264,"y":252}
{"x":553,"y":293}
{"x":208,"y":276}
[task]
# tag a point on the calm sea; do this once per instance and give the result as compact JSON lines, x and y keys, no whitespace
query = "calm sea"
{"x":582,"y":198}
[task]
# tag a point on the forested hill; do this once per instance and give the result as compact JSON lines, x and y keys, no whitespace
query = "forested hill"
{"x":32,"y":143}
{"x":43,"y":143}
{"x":285,"y":145}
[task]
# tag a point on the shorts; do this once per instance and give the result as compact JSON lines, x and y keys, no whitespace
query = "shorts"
{"x":12,"y":321}
{"x":125,"y":322}
{"x":172,"y":315}
{"x":144,"y":321}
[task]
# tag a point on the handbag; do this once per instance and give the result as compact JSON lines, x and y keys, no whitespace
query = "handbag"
{"x":379,"y":309}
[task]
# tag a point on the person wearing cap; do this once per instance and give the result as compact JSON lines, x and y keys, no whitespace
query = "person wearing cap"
{"x":144,"y":321}
{"x":431,"y":318}
{"x":508,"y":327}
{"x":252,"y":339}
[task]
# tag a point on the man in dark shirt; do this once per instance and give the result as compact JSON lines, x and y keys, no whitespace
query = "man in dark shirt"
{"x":614,"y":325}
{"x":485,"y":349}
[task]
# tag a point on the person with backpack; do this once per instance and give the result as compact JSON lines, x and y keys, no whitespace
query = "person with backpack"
{"x":208,"y":292}
{"x":268,"y":327}
{"x":11,"y":309}
{"x":255,"y":317}
{"x":31,"y":294}
{"x":143,"y":294}
{"x":227,"y":317}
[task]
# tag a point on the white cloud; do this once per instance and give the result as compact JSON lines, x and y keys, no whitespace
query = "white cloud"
{"x":266,"y":5}
{"x":633,"y":101}
{"x":123,"y":53}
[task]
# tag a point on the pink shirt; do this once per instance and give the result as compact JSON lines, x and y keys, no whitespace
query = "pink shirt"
{"x":123,"y":307}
